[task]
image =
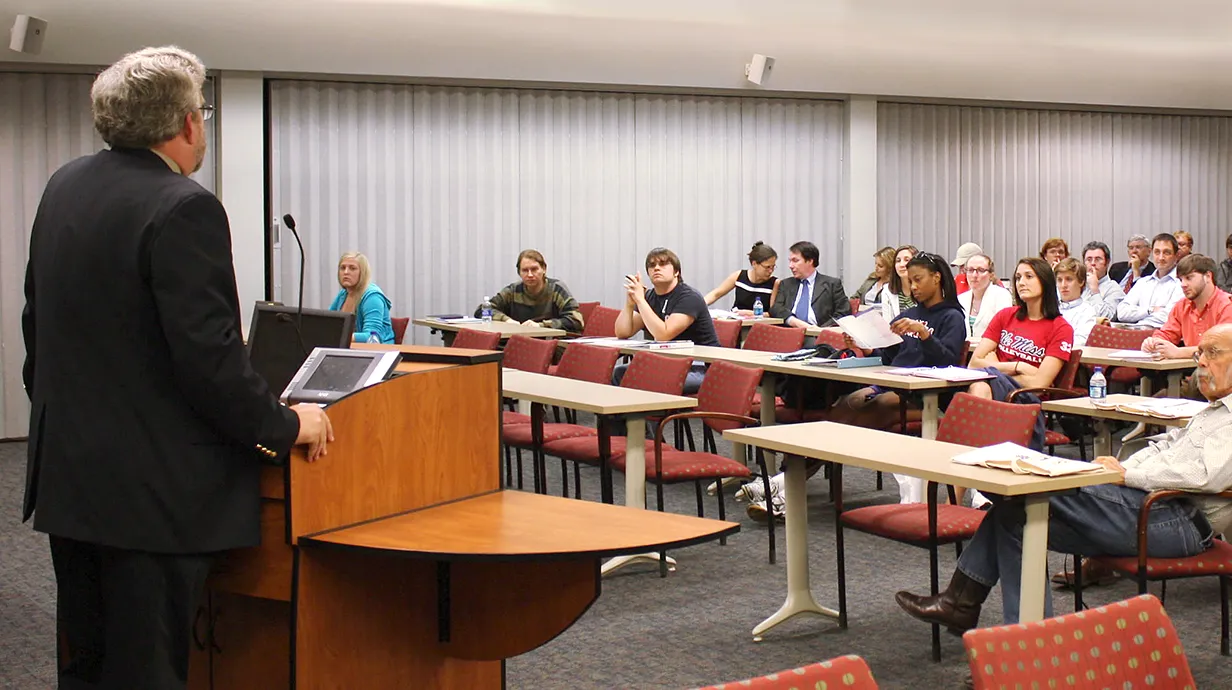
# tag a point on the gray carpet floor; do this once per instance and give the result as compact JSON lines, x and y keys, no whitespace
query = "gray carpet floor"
{"x":692,"y":628}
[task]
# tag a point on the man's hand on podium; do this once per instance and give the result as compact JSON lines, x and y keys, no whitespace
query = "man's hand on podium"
{"x":315,"y":429}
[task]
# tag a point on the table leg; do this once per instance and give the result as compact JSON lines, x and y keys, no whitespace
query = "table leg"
{"x":1174,"y":384}
{"x":740,"y":455}
{"x":1034,"y":560}
{"x":768,"y":381}
{"x":799,"y":593}
{"x":928,"y":425}
{"x":1103,"y":438}
{"x":1144,"y":385}
{"x":524,"y":407}
{"x":635,"y":488}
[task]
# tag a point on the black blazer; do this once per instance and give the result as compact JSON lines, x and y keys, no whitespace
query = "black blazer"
{"x":829,"y":299}
{"x":148,"y":426}
{"x":1118,"y":270}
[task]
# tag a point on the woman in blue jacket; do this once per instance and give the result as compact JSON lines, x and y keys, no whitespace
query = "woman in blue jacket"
{"x":360,"y":296}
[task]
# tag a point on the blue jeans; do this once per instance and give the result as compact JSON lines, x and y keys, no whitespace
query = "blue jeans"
{"x":1097,"y":521}
{"x":692,"y":382}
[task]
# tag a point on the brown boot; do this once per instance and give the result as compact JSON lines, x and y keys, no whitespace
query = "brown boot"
{"x":957,"y":608}
{"x":1094,"y":574}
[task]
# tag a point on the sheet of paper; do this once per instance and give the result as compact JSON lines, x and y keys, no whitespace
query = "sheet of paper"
{"x":1020,"y":460}
{"x":869,"y":330}
{"x":951,"y":373}
{"x":1171,"y":408}
{"x":1132,"y":354}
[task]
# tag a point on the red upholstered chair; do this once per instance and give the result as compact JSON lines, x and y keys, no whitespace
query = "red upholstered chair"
{"x":601,"y":323}
{"x":399,"y":323}
{"x":844,"y":673}
{"x":1214,"y":562}
{"x":1127,"y":644}
{"x":830,"y":337}
{"x":766,"y":338}
{"x":728,"y":332}
{"x":855,"y":304}
{"x":586,"y":309}
{"x":529,"y":354}
{"x":1061,"y":389}
{"x":582,"y":362}
{"x":476,"y":340}
{"x":969,"y":421}
{"x":647,"y":371}
{"x":1103,"y":335}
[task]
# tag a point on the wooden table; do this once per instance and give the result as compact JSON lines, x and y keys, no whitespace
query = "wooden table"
{"x":505,"y":328}
{"x":928,"y":459}
{"x":1175,"y":368}
{"x":1082,"y":407}
{"x":601,"y":400}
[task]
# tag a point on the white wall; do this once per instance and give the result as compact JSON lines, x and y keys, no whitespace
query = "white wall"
{"x":241,"y":178}
{"x":1118,"y":52}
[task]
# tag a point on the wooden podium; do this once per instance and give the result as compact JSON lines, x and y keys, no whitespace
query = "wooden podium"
{"x":397,"y":561}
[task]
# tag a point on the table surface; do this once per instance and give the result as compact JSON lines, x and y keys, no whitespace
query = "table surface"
{"x":1083,"y":407}
{"x":505,"y":328}
{"x":1099,"y":356}
{"x":514,"y":525}
{"x":917,"y":457}
{"x":596,"y":398}
{"x":755,"y":358}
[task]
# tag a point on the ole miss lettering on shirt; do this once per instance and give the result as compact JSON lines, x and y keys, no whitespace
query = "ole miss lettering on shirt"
{"x":1029,"y":341}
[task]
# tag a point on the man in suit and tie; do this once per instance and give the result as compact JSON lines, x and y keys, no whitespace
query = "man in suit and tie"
{"x":808,"y":298}
{"x":148,"y":426}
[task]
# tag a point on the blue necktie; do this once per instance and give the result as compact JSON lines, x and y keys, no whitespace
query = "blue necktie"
{"x":802,"y":302}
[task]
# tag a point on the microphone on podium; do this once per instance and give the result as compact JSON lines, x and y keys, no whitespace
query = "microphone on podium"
{"x":289,"y":221}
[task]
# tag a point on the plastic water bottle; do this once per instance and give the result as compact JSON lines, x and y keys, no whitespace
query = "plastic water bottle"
{"x":758,"y":309}
{"x":373,"y":337}
{"x":1099,"y":386}
{"x":485,"y":312}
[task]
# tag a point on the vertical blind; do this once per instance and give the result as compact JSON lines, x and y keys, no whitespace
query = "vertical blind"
{"x":442,"y":187}
{"x":45,"y":122}
{"x":1008,"y":179}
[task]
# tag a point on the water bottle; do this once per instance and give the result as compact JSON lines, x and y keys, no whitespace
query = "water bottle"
{"x":758,"y":309}
{"x":373,"y":337}
{"x":485,"y":312}
{"x":1099,"y":386}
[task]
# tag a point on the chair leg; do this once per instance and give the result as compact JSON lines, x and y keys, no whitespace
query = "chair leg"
{"x":765,"y":485}
{"x":659,"y":494}
{"x":933,"y":566}
{"x":564,"y":478}
{"x":577,"y":480}
{"x":879,"y":480}
{"x":688,"y":434}
{"x":722,"y":507}
{"x":1078,"y":605}
{"x":701,"y":509}
{"x":508,"y":466}
{"x":519,"y":453}
{"x":1224,"y":581}
{"x":1163,"y":592}
{"x":836,"y":493}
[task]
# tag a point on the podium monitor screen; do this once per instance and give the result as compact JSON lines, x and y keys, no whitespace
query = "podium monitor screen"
{"x":332,"y":373}
{"x":277,"y":350}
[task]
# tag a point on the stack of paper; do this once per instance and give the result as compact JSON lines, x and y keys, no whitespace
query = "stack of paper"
{"x":1134,"y":354}
{"x":1162,"y":408}
{"x":458,"y":319}
{"x":869,"y":330}
{"x":626,"y":342}
{"x":941,"y":373}
{"x":1019,"y":460}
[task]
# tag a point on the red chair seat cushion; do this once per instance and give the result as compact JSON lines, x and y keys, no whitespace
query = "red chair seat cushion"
{"x":586,"y":448}
{"x":552,"y":369}
{"x":909,"y":521}
{"x":508,"y":417}
{"x":1055,"y":438}
{"x":519,"y":435}
{"x":687,"y":466}
{"x":1216,"y":560}
{"x":1124,"y":375}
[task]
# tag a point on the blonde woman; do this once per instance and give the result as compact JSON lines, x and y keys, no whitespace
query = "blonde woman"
{"x":874,"y":286}
{"x":360,"y":296}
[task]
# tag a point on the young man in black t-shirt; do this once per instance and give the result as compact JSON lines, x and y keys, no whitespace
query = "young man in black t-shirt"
{"x":671,"y":310}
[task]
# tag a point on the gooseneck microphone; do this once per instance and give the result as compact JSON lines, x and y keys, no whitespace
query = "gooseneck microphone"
{"x":289,"y":221}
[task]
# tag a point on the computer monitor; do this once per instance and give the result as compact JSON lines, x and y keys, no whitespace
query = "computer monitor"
{"x":277,"y":349}
{"x":333,"y":373}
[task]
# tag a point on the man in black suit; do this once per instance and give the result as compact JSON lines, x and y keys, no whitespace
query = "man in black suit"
{"x":1127,"y":272}
{"x":825,"y":299}
{"x":148,"y":426}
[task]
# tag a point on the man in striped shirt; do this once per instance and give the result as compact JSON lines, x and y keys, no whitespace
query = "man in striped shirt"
{"x":537,"y":300}
{"x":1103,"y":520}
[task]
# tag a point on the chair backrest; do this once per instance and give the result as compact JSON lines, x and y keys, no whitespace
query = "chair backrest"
{"x":964,"y":353}
{"x":766,"y":338}
{"x":586,"y":309}
{"x":601,"y":323}
{"x":529,"y":354}
{"x":400,"y":323}
{"x":728,"y":332}
{"x":830,"y":337}
{"x":476,"y":340}
{"x":584,"y":362}
{"x":855,"y":305}
{"x":1069,"y":371}
{"x":1125,"y":644}
{"x":846,"y":672}
{"x":727,"y":388}
{"x":977,"y":422}
{"x":657,"y":373}
{"x":1103,"y":335}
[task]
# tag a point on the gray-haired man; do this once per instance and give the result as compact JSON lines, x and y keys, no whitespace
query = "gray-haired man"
{"x":1139,"y":264}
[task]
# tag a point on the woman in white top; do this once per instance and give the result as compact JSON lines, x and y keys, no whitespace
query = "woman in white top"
{"x":897,"y":298}
{"x":1071,"y":279}
{"x":986,"y":296}
{"x":874,"y":286}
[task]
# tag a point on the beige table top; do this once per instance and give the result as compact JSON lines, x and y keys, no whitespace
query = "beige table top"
{"x":1083,"y":407}
{"x":867,"y":376}
{"x":505,"y":328}
{"x":748,"y":323}
{"x":596,"y":398}
{"x":917,"y":457}
{"x":1099,"y":356}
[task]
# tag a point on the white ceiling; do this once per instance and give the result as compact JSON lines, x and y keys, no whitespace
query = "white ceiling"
{"x":1114,"y":52}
